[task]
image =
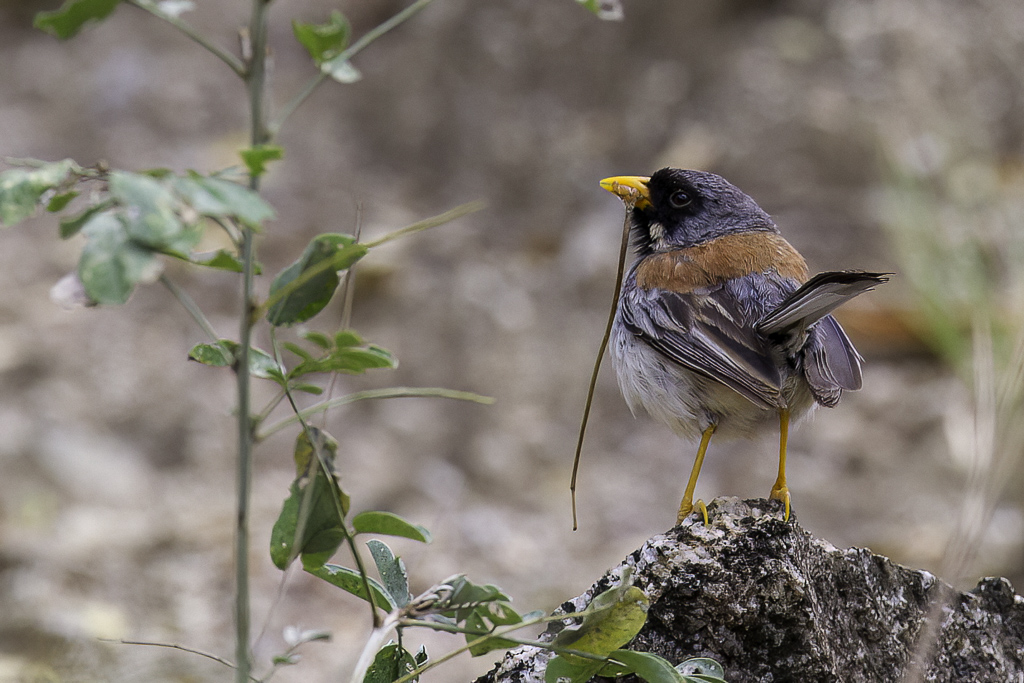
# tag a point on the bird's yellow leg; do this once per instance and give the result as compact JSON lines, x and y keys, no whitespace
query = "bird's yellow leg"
{"x":686,"y":507}
{"x":780,"y":491}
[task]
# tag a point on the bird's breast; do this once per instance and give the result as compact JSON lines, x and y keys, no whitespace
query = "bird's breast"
{"x":718,"y":260}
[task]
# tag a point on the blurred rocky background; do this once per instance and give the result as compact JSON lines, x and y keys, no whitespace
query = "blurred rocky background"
{"x":881,"y":135}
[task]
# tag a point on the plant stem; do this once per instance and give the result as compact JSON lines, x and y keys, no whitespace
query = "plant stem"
{"x":244,"y":474}
{"x":375,"y":642}
{"x":255,"y":76}
{"x":624,"y":247}
{"x":500,"y":632}
{"x":307,"y":498}
{"x":175,"y":646}
{"x":428,"y":223}
{"x":183,"y":26}
{"x":356,"y":47}
{"x":392,"y":392}
{"x":189,"y":304}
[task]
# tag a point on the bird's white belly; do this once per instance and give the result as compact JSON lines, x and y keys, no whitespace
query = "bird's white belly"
{"x":688,"y":402}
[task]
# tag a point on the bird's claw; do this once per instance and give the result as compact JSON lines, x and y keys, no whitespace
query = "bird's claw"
{"x":686,"y":507}
{"x":781,"y":493}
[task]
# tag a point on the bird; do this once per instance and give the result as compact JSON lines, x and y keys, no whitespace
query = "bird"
{"x":719,"y":330}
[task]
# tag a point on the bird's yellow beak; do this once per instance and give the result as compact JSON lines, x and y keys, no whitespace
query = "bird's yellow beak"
{"x":631,"y":189}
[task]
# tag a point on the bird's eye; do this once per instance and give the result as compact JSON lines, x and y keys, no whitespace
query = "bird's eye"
{"x":679,"y":199}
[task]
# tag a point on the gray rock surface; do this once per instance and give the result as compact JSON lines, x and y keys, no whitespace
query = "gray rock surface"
{"x":773,"y":603}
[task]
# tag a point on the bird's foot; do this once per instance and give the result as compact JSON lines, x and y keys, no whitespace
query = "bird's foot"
{"x":781,"y":493}
{"x":686,"y":507}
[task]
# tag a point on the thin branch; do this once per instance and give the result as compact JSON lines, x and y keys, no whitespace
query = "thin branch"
{"x":597,"y":364}
{"x":232,"y":232}
{"x":354,"y":49}
{"x":233,"y":62}
{"x":348,"y":289}
{"x":269,"y":408}
{"x":327,"y":265}
{"x":289,"y":108}
{"x":374,"y":643}
{"x":427,"y":223}
{"x":189,"y":304}
{"x":304,"y":278}
{"x":307,"y":499}
{"x":496,"y":633}
{"x":255,"y":80}
{"x":175,"y":646}
{"x":393,"y":392}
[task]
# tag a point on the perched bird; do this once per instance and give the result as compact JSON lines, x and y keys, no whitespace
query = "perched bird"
{"x":718,"y":328}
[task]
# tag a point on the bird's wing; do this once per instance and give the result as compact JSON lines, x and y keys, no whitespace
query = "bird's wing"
{"x":707,"y":331}
{"x":815,"y":299}
{"x":801,"y":323}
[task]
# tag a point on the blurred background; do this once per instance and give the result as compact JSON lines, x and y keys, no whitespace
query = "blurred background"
{"x":881,"y":135}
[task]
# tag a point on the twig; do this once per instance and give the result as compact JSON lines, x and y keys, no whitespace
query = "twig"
{"x":233,"y":62}
{"x":175,"y":646}
{"x":327,"y":265}
{"x":307,"y":499}
{"x":597,"y":363}
{"x":393,"y":392}
{"x":427,"y":223}
{"x":189,"y":304}
{"x":354,"y":49}
{"x":502,"y":633}
{"x":375,"y":642}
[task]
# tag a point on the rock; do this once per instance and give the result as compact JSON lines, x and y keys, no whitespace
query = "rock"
{"x":772,"y":603}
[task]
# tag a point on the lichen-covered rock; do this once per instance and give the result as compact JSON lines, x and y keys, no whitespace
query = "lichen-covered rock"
{"x":772,"y":603}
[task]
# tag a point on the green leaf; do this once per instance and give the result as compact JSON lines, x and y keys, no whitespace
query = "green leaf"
{"x":308,"y":388}
{"x":350,"y":580}
{"x":111,"y":265}
{"x":475,"y":622}
{"x":312,"y":521}
{"x":72,"y":15}
{"x":701,"y":670}
{"x":299,"y":351}
{"x":218,"y":198}
{"x":347,"y":338}
{"x":343,"y":355}
{"x":486,"y":617}
{"x":70,"y":226}
{"x":349,"y":361}
{"x":21,"y":189}
{"x":500,"y":613}
{"x":391,"y":663}
{"x":610,"y":621}
{"x":257,"y":156}
{"x":318,"y":338}
{"x":223,"y":353}
{"x":215,"y":355}
{"x":151,"y":213}
{"x":649,"y":667}
{"x":59,"y":201}
{"x":559,"y":670}
{"x":221,"y":259}
{"x":467,"y":596}
{"x":392,"y":572}
{"x":388,"y":524}
{"x":307,"y":285}
{"x":323,"y":41}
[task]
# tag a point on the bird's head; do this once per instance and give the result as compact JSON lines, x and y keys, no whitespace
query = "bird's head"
{"x":677,"y":208}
